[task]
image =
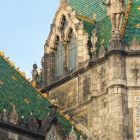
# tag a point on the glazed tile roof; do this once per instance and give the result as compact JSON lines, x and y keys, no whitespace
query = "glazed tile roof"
{"x":88,"y":8}
{"x":16,"y":90}
{"x":133,"y":24}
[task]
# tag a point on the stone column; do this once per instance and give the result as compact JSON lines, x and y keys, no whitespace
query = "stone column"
{"x":117,"y":97}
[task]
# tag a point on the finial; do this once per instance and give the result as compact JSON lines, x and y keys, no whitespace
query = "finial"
{"x":94,"y":16}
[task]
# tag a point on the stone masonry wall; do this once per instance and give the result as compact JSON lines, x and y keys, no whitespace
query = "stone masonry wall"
{"x":106,"y":94}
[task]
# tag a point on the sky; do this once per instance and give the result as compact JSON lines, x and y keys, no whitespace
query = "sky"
{"x":24,"y":27}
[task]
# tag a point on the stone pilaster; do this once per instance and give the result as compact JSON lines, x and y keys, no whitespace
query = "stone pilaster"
{"x":117,"y":94}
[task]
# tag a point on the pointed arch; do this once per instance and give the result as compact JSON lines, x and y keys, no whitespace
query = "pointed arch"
{"x":63,"y":22}
{"x":58,"y":58}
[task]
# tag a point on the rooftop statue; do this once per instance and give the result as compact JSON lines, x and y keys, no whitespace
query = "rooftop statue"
{"x":34,"y":72}
{"x":115,"y":10}
{"x":37,"y":76}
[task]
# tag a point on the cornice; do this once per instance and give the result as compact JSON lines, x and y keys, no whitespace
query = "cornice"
{"x":94,"y":63}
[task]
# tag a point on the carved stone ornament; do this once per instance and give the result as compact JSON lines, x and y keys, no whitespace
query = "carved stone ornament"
{"x":34,"y":72}
{"x":94,"y":40}
{"x":102,"y":49}
{"x":14,"y":116}
{"x":92,"y":50}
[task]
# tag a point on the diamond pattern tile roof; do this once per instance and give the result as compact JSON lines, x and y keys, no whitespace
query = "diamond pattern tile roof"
{"x":133,"y":24}
{"x":16,"y":90}
{"x":87,"y":8}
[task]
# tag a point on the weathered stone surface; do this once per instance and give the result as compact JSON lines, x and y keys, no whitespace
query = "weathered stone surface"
{"x":104,"y":91}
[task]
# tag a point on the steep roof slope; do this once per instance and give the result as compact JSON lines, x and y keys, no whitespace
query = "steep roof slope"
{"x":88,"y":8}
{"x":16,"y":90}
{"x":133,"y":25}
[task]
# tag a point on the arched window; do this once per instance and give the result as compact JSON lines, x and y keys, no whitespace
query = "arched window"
{"x":62,"y":22}
{"x":59,"y":59}
{"x":72,"y":50}
{"x":56,"y":42}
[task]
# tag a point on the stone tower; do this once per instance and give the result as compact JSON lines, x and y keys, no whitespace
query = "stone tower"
{"x":93,"y":72}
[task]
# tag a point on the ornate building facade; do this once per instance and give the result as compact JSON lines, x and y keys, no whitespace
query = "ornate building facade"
{"x":92,"y":71}
{"x":26,"y":113}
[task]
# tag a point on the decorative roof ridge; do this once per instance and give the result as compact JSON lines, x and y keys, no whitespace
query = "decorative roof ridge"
{"x":23,"y":76}
{"x":85,"y":18}
{"x":72,"y":123}
{"x":126,"y":17}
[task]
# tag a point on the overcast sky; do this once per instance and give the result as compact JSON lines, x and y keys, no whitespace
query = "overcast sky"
{"x":24,"y":27}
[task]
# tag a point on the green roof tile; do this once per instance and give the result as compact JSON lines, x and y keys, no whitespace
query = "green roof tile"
{"x":133,"y":25}
{"x":87,"y":8}
{"x":16,"y":90}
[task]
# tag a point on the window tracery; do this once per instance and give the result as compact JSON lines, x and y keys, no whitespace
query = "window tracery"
{"x":69,"y":34}
{"x":56,"y":42}
{"x":62,"y":22}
